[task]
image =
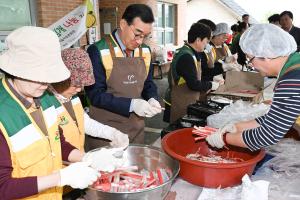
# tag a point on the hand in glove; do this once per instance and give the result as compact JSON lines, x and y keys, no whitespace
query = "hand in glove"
{"x":208,"y":48}
{"x":219,"y":78}
{"x":228,"y":66}
{"x":155,"y":105}
{"x":216,"y":139}
{"x":78,"y":175}
{"x":230,"y":59}
{"x":119,"y":139}
{"x":106,"y":160}
{"x":214,"y":85}
{"x":142,"y":108}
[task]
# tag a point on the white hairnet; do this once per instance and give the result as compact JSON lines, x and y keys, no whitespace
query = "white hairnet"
{"x":221,"y":28}
{"x":267,"y":41}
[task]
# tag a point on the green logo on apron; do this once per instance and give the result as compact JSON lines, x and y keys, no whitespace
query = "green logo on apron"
{"x":63,"y":120}
{"x":57,"y":135}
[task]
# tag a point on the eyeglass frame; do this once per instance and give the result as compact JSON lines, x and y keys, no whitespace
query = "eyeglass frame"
{"x":250,"y":60}
{"x":139,"y":36}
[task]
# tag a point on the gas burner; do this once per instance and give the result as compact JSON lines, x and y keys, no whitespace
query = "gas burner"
{"x":204,"y":109}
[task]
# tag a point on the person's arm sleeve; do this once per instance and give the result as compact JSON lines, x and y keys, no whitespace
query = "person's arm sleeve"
{"x":97,"y":93}
{"x":150,"y":89}
{"x":13,"y":188}
{"x":282,"y":115}
{"x":207,"y":72}
{"x":260,"y":119}
{"x":186,"y":68}
{"x":97,"y":129}
{"x":66,"y":147}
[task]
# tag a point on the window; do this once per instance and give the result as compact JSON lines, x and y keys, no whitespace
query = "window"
{"x":14,"y":14}
{"x":165,"y":23}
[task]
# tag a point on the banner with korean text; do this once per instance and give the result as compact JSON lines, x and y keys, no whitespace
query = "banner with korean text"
{"x":74,"y":25}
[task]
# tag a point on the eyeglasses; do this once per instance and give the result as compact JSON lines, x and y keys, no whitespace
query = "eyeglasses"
{"x":139,"y":36}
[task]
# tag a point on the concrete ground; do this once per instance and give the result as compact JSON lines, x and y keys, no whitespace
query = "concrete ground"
{"x":155,"y":124}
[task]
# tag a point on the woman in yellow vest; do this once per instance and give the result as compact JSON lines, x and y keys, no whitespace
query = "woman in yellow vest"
{"x":73,"y":120}
{"x":32,"y":146}
{"x":220,"y":51}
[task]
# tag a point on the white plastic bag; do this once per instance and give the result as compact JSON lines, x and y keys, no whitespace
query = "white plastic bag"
{"x":238,"y":111}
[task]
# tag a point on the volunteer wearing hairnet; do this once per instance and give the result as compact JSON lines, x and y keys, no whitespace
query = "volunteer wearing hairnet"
{"x":271,"y":51}
{"x":73,"y":120}
{"x":32,"y":146}
{"x":221,"y":52}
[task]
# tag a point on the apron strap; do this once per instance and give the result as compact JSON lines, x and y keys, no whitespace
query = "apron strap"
{"x":140,"y":52}
{"x":111,"y":48}
{"x":69,"y":107}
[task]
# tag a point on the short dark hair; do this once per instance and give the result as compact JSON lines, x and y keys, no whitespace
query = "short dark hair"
{"x":208,"y":23}
{"x":241,"y":26}
{"x":234,"y":28}
{"x":274,"y":18}
{"x":286,"y":12}
{"x":198,"y":30}
{"x":138,"y":10}
{"x":245,"y":15}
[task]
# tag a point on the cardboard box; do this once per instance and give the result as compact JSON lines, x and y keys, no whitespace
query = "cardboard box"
{"x":241,"y":85}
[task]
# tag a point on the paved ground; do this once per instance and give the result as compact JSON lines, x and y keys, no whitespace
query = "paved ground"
{"x":155,"y":124}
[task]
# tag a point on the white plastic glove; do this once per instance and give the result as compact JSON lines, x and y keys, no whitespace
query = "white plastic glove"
{"x":228,"y":66}
{"x":230,"y":59}
{"x":218,"y":78}
{"x":142,"y":108}
{"x":78,"y":175}
{"x":215,"y":85}
{"x":208,"y":48}
{"x":155,"y":105}
{"x":216,"y":139}
{"x":119,"y":139}
{"x":105,"y":159}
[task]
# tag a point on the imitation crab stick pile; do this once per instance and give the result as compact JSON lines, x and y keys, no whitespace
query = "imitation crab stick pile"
{"x":202,"y":132}
{"x":211,"y":158}
{"x":128,"y":179}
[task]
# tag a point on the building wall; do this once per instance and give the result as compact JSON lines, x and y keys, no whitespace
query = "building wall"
{"x":209,"y":9}
{"x":180,"y":13}
{"x":48,"y":12}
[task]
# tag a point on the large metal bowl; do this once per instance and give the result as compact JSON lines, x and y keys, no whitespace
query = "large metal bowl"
{"x":145,"y":157}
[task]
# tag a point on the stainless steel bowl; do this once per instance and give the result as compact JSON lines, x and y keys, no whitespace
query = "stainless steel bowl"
{"x":145,"y":157}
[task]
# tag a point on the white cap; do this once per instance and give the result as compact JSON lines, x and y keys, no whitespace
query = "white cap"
{"x":34,"y":54}
{"x":267,"y":41}
{"x":221,"y":28}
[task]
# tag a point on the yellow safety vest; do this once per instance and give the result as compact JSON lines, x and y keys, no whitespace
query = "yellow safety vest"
{"x":73,"y":130}
{"x":32,"y":153}
{"x":107,"y":58}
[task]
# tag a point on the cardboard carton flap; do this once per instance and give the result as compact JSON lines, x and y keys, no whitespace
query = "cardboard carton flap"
{"x":244,"y":84}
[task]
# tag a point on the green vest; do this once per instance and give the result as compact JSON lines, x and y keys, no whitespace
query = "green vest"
{"x":106,"y":58}
{"x":180,"y":52}
{"x":32,"y":153}
{"x":293,"y":59}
